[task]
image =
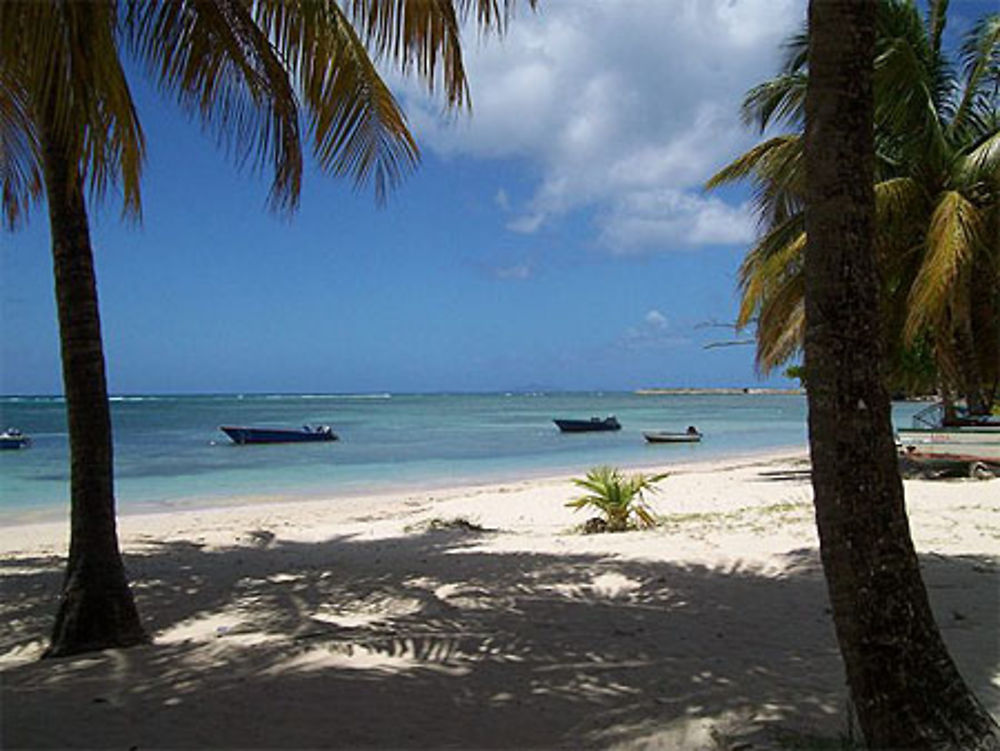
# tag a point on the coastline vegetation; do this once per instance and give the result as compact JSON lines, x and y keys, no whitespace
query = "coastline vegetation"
{"x":937,"y":192}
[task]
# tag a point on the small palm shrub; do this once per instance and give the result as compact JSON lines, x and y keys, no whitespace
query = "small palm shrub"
{"x":618,"y":497}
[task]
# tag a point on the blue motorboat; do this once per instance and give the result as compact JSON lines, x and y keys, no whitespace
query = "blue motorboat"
{"x":12,"y":438}
{"x":305,"y":434}
{"x":594,"y":424}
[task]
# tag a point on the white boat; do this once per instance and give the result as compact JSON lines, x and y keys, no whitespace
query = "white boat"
{"x":691,"y":435}
{"x":943,"y":446}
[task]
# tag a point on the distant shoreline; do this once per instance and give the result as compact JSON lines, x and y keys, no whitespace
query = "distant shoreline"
{"x":718,"y":391}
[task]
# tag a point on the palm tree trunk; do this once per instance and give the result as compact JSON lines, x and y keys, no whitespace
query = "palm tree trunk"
{"x":904,"y":685}
{"x":970,"y":374}
{"x":984,"y":319}
{"x":96,"y":610}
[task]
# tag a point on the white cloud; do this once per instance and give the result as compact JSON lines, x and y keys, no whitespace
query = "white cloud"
{"x":624,"y":108}
{"x":653,"y":333}
{"x":502,"y":200}
{"x":642,"y":220}
{"x":656,"y":319}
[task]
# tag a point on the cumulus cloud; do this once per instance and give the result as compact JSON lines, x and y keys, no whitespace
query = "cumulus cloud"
{"x":654,"y":332}
{"x":624,"y":109}
{"x":641,"y":220}
{"x":656,"y":319}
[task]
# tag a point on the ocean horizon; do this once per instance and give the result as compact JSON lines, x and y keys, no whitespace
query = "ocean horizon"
{"x":169,"y":452}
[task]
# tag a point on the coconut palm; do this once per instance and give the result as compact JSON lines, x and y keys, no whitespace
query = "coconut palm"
{"x":904,"y":685}
{"x":937,"y":186}
{"x":257,"y":74}
{"x":618,"y":497}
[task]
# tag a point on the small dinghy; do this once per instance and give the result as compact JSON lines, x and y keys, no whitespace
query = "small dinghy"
{"x":691,"y":435}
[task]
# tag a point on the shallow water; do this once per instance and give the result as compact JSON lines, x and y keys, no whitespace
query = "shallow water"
{"x":169,"y":451}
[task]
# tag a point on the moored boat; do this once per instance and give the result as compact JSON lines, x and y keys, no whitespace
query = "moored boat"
{"x":594,"y":424}
{"x":12,"y":438}
{"x":691,"y":435}
{"x":305,"y":434}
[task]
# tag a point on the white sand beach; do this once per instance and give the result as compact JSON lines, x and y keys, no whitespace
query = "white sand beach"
{"x":362,"y":624}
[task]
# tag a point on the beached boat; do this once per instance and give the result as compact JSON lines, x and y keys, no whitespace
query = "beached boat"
{"x":12,"y":438}
{"x":594,"y":424}
{"x":951,"y":448}
{"x":305,"y":434}
{"x":691,"y":435}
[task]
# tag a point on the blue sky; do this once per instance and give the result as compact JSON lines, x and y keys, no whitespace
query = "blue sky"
{"x":556,"y":238}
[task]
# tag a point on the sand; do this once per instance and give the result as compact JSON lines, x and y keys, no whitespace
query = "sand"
{"x":363,"y":623}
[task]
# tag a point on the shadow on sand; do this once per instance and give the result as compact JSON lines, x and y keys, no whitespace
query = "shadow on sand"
{"x":434,"y":640}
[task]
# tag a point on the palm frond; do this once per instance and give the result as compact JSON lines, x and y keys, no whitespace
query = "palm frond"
{"x":775,"y":170}
{"x":952,"y":237}
{"x":222,"y":68}
{"x":20,"y":171}
{"x":980,"y":54}
{"x":65,"y":58}
{"x":777,"y":254}
{"x":778,"y":101}
{"x":424,"y":35}
{"x":750,"y":163}
{"x":982,"y":162}
{"x":617,"y":496}
{"x":937,"y":19}
{"x":905,"y":101}
{"x":781,"y":324}
{"x":902,"y":209}
{"x":796,"y":53}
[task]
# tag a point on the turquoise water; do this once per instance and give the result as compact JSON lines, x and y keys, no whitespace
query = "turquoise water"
{"x":169,"y":451}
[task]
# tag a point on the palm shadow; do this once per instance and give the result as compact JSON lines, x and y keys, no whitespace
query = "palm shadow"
{"x":440,"y":640}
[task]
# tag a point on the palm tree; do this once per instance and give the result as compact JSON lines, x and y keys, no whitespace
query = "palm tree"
{"x":904,"y":685}
{"x":255,"y":73}
{"x":619,"y":497}
{"x":937,"y":189}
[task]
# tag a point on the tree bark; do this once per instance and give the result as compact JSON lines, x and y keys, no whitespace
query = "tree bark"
{"x":984,"y":318}
{"x":905,"y":688}
{"x":96,"y":609}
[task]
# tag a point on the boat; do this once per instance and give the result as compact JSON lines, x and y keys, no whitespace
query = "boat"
{"x":305,"y":434}
{"x":594,"y":424}
{"x":691,"y":435}
{"x":963,"y":444}
{"x":12,"y":438}
{"x":951,"y":445}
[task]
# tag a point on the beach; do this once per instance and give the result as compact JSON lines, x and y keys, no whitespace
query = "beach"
{"x":479,"y":616}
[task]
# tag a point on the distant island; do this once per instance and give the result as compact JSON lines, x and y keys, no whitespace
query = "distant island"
{"x":729,"y":391}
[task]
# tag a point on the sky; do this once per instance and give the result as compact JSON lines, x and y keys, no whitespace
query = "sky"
{"x":555,"y":238}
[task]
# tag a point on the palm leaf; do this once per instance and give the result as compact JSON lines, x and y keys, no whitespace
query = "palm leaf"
{"x":781,"y":325}
{"x":953,"y":234}
{"x":77,"y":91}
{"x":982,"y":162}
{"x":753,"y":162}
{"x":780,"y":100}
{"x":616,"y":496}
{"x":424,"y":35}
{"x":777,"y":254}
{"x":980,"y":54}
{"x":20,"y":173}
{"x":222,"y":68}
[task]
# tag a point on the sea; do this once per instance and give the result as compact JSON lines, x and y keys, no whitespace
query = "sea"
{"x":170,"y":454}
